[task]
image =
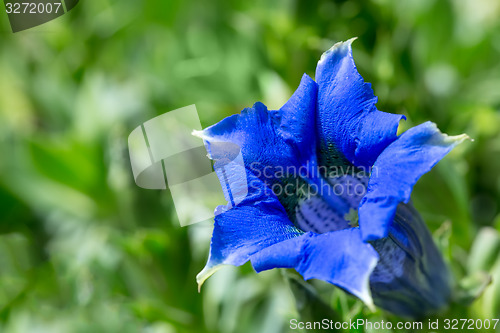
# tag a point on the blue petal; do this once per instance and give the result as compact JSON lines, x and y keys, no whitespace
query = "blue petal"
{"x":295,"y":121}
{"x":347,"y":117}
{"x":396,"y":171}
{"x":411,"y":278}
{"x":258,"y":222}
{"x":269,"y":138}
{"x":338,"y":257}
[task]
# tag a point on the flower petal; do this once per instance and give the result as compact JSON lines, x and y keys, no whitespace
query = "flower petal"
{"x":396,"y":171}
{"x":411,"y":278}
{"x":274,"y":145}
{"x":348,"y":120}
{"x":256,"y":223}
{"x":295,"y":121}
{"x":338,"y":257}
{"x":270,"y":138}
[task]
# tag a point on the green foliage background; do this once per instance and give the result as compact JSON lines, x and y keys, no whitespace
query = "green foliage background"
{"x":83,"y":249}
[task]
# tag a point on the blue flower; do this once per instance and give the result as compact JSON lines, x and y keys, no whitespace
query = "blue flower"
{"x":327,"y":184}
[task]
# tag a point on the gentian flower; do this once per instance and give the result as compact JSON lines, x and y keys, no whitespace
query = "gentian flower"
{"x":327,"y":191}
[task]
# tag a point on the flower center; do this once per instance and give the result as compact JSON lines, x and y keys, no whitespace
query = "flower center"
{"x":317,"y":211}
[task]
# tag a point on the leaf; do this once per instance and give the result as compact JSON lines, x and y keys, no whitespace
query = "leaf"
{"x":484,"y":251}
{"x":310,"y":306}
{"x":471,"y":288}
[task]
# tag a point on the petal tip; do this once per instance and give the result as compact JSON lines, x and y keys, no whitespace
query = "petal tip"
{"x":368,"y":301}
{"x":202,"y":135}
{"x":205,"y":274}
{"x":197,"y":133}
{"x":337,"y":48}
{"x":365,"y":295}
{"x":306,"y":78}
{"x":452,"y":140}
{"x":349,"y":41}
{"x":457,"y":139}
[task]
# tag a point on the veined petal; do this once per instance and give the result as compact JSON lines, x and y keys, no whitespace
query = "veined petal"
{"x":348,"y":120}
{"x":295,"y":121}
{"x":411,"y":278}
{"x":338,"y":257}
{"x":269,"y":139}
{"x":256,"y":223}
{"x":396,"y":171}
{"x":275,"y":146}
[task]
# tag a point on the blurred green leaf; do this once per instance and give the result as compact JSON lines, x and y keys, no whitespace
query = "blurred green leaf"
{"x":485,"y":250}
{"x":310,"y":306}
